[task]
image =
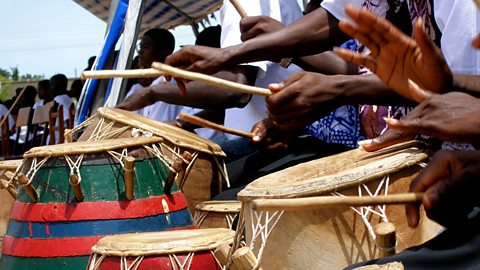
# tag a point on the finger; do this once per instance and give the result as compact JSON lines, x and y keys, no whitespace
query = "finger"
{"x":358,"y":59}
{"x":365,"y":39}
{"x":389,"y":137}
{"x":248,"y":23}
{"x":284,"y":91}
{"x":430,"y":52}
{"x":417,"y":93}
{"x":181,"y":87}
{"x":259,"y":132}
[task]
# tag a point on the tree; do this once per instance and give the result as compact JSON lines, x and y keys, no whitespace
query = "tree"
{"x":5,"y":74}
{"x":15,"y":74}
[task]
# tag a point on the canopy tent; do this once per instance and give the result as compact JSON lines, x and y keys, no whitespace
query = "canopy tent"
{"x":126,"y":19}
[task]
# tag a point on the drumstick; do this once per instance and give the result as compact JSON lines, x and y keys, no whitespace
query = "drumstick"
{"x":133,"y":73}
{"x":239,"y":8}
{"x":205,"y":123}
{"x":14,"y":103}
{"x":477,"y":2}
{"x":332,"y":201}
{"x":195,"y":76}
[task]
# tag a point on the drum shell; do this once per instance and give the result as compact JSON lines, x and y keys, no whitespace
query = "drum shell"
{"x":333,"y":238}
{"x":57,"y":232}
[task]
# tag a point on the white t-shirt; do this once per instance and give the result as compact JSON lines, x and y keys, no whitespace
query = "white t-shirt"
{"x":285,"y":11}
{"x":65,"y":101}
{"x":37,"y":104}
{"x":459,"y":23}
{"x":133,"y":90}
{"x":162,"y":111}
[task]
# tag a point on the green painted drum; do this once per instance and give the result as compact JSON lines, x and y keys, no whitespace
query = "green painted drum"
{"x":57,"y":231}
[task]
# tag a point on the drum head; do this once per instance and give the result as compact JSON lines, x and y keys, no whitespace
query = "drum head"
{"x":335,"y":172}
{"x":10,"y":165}
{"x":166,"y":242}
{"x":169,"y":133}
{"x":220,"y":206}
{"x":77,"y":148}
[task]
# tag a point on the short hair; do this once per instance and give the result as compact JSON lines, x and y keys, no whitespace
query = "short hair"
{"x":163,"y":39}
{"x":61,"y":81}
{"x":44,"y":83}
{"x":210,"y":37}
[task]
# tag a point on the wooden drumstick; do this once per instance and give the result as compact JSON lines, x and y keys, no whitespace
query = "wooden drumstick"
{"x":195,"y":76}
{"x":239,"y":8}
{"x":477,"y":2}
{"x":14,"y":103}
{"x":132,"y":73}
{"x":333,"y":201}
{"x":205,"y":123}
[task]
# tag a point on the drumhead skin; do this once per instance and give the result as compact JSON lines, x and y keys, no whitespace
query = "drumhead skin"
{"x":159,"y":243}
{"x":220,"y":206}
{"x":168,"y":132}
{"x":335,"y":172}
{"x":58,"y":232}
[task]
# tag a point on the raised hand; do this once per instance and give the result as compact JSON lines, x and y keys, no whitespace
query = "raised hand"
{"x":451,"y":184}
{"x":394,"y":56}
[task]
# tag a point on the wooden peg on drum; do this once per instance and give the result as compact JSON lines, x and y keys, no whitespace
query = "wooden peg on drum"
{"x":128,"y":175}
{"x":77,"y":189}
{"x":25,"y":182}
{"x":244,"y":259}
{"x":176,"y":168}
{"x":4,"y":184}
{"x":386,"y":238}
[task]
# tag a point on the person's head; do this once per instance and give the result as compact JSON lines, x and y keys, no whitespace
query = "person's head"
{"x":209,"y":37}
{"x":91,"y":60}
{"x":76,"y":89}
{"x":42,"y":89}
{"x":58,"y":84}
{"x":28,"y":97}
{"x":155,"y":46}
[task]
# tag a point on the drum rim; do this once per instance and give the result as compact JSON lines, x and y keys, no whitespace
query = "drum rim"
{"x":88,"y":147}
{"x":413,"y":153}
{"x":219,"y":206}
{"x":11,"y":164}
{"x":189,"y":140}
{"x":166,"y":242}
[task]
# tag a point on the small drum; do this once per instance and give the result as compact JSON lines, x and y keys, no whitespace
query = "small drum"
{"x":8,"y":192}
{"x":216,"y":214}
{"x":186,"y":250}
{"x":333,"y":238}
{"x":203,"y":172}
{"x":71,"y":195}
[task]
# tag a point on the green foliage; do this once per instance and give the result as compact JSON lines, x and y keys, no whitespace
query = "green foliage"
{"x":13,"y":75}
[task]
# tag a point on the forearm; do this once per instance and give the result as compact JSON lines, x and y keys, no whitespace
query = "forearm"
{"x":469,"y":84}
{"x":313,"y":33}
{"x":369,"y":89}
{"x":327,"y":63}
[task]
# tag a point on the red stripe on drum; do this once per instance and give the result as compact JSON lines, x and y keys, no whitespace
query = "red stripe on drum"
{"x":55,"y":212}
{"x":47,"y":248}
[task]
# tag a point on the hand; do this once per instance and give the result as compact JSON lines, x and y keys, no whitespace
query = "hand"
{"x":449,"y":117}
{"x":202,"y":59}
{"x":450,"y":182}
{"x":254,"y":26}
{"x":138,"y":100}
{"x":394,"y":56}
{"x":302,"y":99}
{"x":269,"y":136}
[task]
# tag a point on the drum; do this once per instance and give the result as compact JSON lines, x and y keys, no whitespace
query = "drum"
{"x":216,"y":214}
{"x":8,"y":192}
{"x":187,"y":250}
{"x":204,"y":170}
{"x":71,"y":195}
{"x":333,"y":238}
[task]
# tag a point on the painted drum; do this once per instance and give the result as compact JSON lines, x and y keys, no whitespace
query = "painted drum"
{"x":187,"y":250}
{"x":201,"y":169}
{"x":8,"y":192}
{"x":216,"y":214}
{"x":72,"y":195}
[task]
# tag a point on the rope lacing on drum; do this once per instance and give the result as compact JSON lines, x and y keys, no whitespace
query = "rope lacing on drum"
{"x":75,"y":167}
{"x":364,"y":211}
{"x":120,"y":157}
{"x":158,"y":152}
{"x":134,"y":266}
{"x":223,"y":168}
{"x":200,"y":217}
{"x":14,"y":175}
{"x":189,"y":167}
{"x":33,"y":169}
{"x":177,"y":265}
{"x":95,"y":262}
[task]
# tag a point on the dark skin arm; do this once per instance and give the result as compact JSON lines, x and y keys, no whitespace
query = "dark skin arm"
{"x":314,"y":33}
{"x":450,"y":182}
{"x":198,"y":94}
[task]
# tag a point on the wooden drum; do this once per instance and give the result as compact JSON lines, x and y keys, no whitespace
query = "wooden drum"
{"x":198,"y":161}
{"x":8,"y":192}
{"x":216,"y":214}
{"x":71,"y":195}
{"x":333,"y":238}
{"x":186,"y":250}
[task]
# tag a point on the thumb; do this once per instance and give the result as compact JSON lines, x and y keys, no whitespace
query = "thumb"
{"x":416,"y":92}
{"x":276,"y":87}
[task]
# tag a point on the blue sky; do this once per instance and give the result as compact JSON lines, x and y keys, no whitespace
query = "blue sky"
{"x":54,"y":36}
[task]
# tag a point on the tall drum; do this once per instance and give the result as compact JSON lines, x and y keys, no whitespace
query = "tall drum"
{"x":333,"y":238}
{"x":71,"y":195}
{"x":201,"y":162}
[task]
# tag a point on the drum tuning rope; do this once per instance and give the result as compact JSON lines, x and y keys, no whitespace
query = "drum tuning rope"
{"x":177,"y":265}
{"x":75,"y":176}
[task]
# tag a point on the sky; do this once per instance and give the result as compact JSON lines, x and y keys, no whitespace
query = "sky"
{"x":54,"y":36}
